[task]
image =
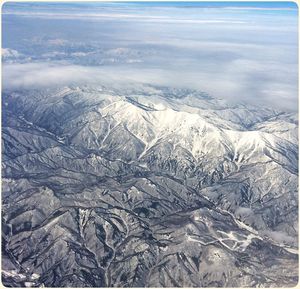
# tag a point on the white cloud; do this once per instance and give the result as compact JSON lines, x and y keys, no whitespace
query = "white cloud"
{"x":232,"y":84}
{"x":79,"y":54}
{"x":230,"y":54}
{"x":57,"y":41}
{"x":10,"y":53}
{"x":54,"y":54}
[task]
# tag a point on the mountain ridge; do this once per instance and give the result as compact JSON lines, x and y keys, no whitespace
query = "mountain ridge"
{"x":133,"y":175}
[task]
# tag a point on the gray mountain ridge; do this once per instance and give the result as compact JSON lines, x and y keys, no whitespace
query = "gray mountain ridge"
{"x":147,"y":186}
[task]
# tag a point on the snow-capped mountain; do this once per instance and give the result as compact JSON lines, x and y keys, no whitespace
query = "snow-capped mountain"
{"x":147,"y":186}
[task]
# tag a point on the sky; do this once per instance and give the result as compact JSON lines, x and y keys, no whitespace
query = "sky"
{"x":239,"y":51}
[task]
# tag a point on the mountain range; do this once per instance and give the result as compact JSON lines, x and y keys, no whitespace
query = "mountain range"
{"x":147,"y":186}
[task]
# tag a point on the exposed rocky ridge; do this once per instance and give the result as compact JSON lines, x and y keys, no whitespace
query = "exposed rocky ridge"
{"x":149,"y":186}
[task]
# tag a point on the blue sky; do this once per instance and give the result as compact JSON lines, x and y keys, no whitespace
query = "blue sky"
{"x":266,"y":4}
{"x":235,"y":50}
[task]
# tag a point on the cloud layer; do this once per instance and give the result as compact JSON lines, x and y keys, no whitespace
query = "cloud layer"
{"x":237,"y":53}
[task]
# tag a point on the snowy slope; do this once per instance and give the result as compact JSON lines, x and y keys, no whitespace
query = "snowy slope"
{"x":147,"y":186}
